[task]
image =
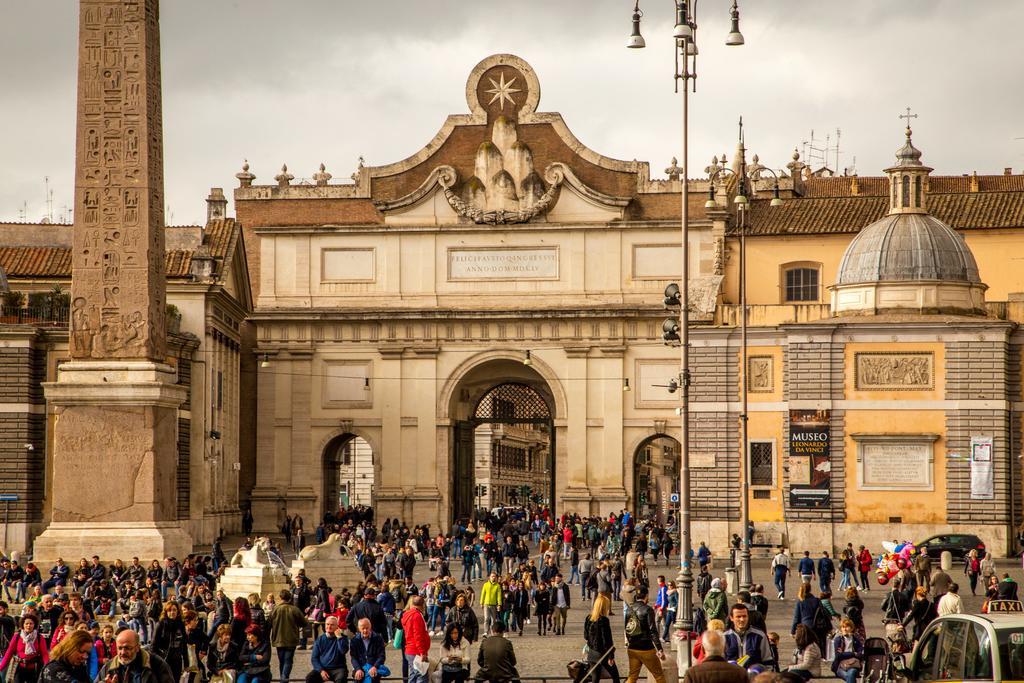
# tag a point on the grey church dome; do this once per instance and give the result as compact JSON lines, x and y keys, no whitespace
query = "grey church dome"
{"x":905,"y":247}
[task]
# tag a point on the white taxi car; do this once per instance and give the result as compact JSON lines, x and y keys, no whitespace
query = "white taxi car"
{"x":971,"y":647}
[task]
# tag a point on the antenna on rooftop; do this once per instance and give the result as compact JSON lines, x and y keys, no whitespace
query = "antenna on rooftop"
{"x":818,"y":156}
{"x":49,"y":199}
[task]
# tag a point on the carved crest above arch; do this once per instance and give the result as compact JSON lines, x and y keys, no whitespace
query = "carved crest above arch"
{"x":504,"y":163}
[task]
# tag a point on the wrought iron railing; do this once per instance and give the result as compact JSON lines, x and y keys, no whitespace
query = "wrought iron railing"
{"x":34,"y":315}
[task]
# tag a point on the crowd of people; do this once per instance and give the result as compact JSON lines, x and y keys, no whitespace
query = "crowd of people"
{"x":521,"y":569}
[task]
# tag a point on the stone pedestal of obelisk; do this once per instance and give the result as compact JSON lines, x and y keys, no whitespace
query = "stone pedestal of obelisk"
{"x":116,"y":401}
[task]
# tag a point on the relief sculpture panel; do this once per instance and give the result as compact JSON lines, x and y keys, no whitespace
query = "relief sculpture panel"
{"x":895,"y":371}
{"x":761,"y":374}
{"x":118,"y":283}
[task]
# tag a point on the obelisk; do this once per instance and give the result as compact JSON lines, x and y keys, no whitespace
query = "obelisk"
{"x":115,"y":455}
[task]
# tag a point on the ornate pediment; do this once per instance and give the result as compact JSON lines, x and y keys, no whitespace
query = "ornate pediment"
{"x":502,"y":177}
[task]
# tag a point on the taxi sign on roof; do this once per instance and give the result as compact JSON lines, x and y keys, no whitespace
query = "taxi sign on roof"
{"x":1005,"y":606}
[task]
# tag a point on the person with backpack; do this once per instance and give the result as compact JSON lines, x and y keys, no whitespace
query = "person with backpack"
{"x":810,"y":612}
{"x":716,"y":603}
{"x":643,"y":646}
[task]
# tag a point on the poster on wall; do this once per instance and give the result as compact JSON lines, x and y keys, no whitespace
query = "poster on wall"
{"x":810,"y":466}
{"x":982,"y":484}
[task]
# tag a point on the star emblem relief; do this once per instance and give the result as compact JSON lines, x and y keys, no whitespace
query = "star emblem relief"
{"x":502,"y":90}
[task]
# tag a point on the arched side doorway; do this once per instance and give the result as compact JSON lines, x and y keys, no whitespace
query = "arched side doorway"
{"x":504,"y":454}
{"x":656,"y":465}
{"x":348,"y":473}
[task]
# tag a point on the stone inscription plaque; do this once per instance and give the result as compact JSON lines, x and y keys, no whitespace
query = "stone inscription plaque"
{"x":896,"y":466}
{"x":348,"y":265}
{"x":118,"y":284}
{"x":530,"y":263}
{"x":895,"y":371}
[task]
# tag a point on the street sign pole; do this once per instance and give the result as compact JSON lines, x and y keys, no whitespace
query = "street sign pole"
{"x":7,"y":499}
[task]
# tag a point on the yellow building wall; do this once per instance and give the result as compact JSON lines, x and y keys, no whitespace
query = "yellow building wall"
{"x":998,"y":253}
{"x":767,"y":425}
{"x":915,"y":507}
{"x":767,"y":255}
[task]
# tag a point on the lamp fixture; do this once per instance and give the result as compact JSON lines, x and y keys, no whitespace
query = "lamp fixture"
{"x":625,"y":384}
{"x":734,"y":37}
{"x":366,"y":384}
{"x":682,"y":29}
{"x":711,"y":203}
{"x":776,"y":200}
{"x":672,"y":295}
{"x":265,"y":363}
{"x":528,"y":361}
{"x":635,"y":39}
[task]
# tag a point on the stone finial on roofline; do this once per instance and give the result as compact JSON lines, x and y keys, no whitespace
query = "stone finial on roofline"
{"x":245,"y":178}
{"x":284,"y":178}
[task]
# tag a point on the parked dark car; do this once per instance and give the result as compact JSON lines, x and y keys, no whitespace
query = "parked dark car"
{"x":957,"y":544}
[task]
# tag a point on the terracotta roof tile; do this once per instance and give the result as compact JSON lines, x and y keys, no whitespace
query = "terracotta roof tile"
{"x":815,"y":215}
{"x":55,"y":262}
{"x":878,"y":186}
{"x":35,"y":261}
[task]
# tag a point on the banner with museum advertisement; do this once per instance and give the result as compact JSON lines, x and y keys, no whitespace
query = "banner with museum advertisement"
{"x":810,"y":466}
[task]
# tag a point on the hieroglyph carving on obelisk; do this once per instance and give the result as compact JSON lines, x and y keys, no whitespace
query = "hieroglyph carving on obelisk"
{"x":118,"y":286}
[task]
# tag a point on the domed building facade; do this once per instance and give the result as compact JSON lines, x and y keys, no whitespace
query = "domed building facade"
{"x":909,"y":260}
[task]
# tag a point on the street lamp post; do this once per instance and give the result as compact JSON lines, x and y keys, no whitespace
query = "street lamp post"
{"x":684,"y":34}
{"x":742,"y":204}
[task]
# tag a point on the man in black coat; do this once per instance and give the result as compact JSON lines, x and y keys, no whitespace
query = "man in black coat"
{"x":368,"y":608}
{"x":497,"y":657}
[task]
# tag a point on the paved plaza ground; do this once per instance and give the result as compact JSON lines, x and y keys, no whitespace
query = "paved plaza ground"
{"x":547,"y":655}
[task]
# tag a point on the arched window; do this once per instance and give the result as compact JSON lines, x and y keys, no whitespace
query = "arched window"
{"x":917,"y":192}
{"x":906,"y":191}
{"x":801,"y":283}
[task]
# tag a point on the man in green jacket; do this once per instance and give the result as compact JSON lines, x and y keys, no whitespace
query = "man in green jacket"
{"x":490,"y":598}
{"x":286,"y":624}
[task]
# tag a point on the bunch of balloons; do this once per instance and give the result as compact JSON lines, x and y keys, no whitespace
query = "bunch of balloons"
{"x":897,"y":556}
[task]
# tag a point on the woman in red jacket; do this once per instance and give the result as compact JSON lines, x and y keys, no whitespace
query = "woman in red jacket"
{"x":864,"y":563}
{"x":30,"y":649}
{"x":417,"y":640}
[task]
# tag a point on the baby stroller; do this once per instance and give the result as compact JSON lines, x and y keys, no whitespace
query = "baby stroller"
{"x":876,"y":661}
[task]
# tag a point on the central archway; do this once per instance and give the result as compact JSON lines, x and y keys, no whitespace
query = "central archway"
{"x":503,"y":437}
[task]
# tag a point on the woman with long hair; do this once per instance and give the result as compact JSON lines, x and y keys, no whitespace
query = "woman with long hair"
{"x":972,"y":568}
{"x":69,"y":660}
{"x":259,"y":616}
{"x":241,"y":619}
{"x":454,"y":655}
{"x":30,"y":649}
{"x":807,"y":656}
{"x":169,"y":638}
{"x":464,"y":616}
{"x":597,"y":632}
{"x":68,"y":621}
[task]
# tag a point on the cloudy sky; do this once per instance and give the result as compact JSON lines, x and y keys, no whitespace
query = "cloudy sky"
{"x":307,"y":81}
